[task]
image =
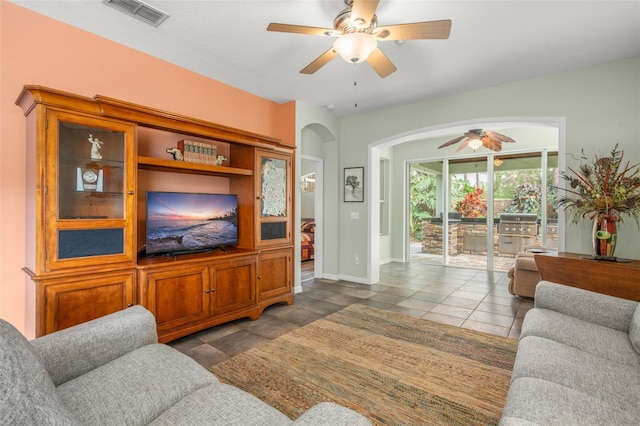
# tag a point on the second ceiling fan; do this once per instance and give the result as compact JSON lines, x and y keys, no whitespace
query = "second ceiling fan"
{"x":357,"y":32}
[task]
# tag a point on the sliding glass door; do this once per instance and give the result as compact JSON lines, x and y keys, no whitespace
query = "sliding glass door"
{"x":426,"y":201}
{"x":468,"y":212}
{"x":496,"y":207}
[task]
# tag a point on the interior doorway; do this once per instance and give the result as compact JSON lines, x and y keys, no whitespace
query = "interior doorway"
{"x":311,"y":217}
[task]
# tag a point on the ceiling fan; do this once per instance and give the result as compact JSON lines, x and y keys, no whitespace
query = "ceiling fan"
{"x":357,"y":32}
{"x":476,"y":138}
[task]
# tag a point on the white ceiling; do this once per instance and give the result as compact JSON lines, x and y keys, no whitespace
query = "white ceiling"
{"x":491,"y":43}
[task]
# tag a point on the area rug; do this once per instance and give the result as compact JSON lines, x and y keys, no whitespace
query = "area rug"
{"x":392,"y":368}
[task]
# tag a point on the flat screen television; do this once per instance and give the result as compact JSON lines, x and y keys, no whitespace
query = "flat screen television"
{"x":180,"y":222}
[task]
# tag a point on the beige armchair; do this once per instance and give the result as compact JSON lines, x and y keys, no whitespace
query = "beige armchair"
{"x":523,"y":276}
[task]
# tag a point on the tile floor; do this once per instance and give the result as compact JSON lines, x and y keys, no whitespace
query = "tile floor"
{"x":468,"y":298}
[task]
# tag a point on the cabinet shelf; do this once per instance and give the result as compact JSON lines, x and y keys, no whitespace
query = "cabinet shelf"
{"x":153,"y":261}
{"x":151,"y":163}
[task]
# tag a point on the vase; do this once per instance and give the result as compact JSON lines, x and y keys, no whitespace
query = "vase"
{"x":604,"y":236}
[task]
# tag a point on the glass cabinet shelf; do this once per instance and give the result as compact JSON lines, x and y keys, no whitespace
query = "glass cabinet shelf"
{"x":91,"y":172}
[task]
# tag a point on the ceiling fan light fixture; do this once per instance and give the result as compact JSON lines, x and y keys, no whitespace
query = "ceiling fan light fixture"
{"x":355,"y":47}
{"x":475,"y":144}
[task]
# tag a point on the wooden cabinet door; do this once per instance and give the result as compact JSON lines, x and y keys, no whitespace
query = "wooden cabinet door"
{"x":176,"y":295}
{"x":274,"y":199}
{"x":274,"y":273}
{"x":71,"y":301}
{"x":234,"y":285}
{"x":89,"y":184}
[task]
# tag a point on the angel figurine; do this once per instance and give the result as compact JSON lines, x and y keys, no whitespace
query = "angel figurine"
{"x":96,"y":144}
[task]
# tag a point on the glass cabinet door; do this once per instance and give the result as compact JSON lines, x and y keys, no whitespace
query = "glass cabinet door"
{"x":89,"y":187}
{"x":91,"y":172}
{"x":275,"y":198}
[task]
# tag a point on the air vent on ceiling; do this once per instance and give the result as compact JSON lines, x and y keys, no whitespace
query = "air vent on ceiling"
{"x":140,"y":10}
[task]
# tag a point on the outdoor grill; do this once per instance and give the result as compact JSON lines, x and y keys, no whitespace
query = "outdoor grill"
{"x":516,"y":231}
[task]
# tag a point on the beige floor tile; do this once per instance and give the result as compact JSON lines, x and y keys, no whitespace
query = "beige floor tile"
{"x":444,"y":319}
{"x":487,"y":328}
{"x":453,"y":311}
{"x":494,"y":319}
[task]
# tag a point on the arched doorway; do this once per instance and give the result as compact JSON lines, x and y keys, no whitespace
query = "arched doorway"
{"x":431,"y":138}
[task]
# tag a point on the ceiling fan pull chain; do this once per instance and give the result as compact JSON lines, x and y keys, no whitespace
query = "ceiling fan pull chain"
{"x":355,"y":84}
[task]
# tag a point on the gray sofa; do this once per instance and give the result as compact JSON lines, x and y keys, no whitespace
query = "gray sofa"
{"x":578,"y":361}
{"x":112,"y":371}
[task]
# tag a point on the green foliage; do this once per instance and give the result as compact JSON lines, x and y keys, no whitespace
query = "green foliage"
{"x":459,"y":189}
{"x":422,"y":200}
{"x":527,"y":198}
{"x":506,"y":182}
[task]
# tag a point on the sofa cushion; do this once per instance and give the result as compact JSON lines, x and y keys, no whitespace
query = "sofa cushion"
{"x":596,"y":339}
{"x":138,"y":386}
{"x":545,"y":403}
{"x":596,"y":308}
{"x":634,"y":329}
{"x":614,"y":383}
{"x":221,"y":404}
{"x":73,"y":351}
{"x":27,"y":394}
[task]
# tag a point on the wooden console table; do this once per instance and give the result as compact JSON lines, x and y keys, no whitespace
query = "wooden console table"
{"x":620,"y":279}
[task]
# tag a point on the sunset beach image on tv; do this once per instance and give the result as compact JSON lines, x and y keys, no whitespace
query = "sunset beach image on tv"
{"x":179,"y":222}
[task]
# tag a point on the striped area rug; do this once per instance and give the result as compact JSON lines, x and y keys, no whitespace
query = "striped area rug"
{"x":393,"y":368}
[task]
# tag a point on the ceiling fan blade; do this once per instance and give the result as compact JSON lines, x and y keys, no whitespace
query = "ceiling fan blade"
{"x":380,"y":63}
{"x":300,"y":29}
{"x":362,"y":12}
{"x":415,"y":31}
{"x":492,"y":144}
{"x":452,"y":141}
{"x":319,"y":62}
{"x":464,"y":144}
{"x":498,"y":136}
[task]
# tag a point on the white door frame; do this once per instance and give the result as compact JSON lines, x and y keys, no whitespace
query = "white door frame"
{"x":318,"y":239}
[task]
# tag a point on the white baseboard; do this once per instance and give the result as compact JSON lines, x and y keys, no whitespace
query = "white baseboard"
{"x":392,"y":260}
{"x":330,"y":277}
{"x":359,"y":280}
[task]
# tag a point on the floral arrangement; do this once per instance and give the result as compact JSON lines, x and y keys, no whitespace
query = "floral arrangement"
{"x":603,"y":188}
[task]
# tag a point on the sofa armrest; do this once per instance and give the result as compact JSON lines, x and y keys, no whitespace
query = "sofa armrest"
{"x":596,"y":308}
{"x":74,"y":351}
{"x":328,"y":413}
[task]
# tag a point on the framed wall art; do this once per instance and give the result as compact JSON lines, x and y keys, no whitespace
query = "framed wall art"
{"x":354,"y":184}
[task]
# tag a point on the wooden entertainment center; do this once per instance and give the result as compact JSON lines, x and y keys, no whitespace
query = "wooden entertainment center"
{"x":90,"y":163}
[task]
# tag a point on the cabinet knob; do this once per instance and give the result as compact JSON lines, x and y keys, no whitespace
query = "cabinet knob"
{"x":130,"y":192}
{"x":207,"y":290}
{"x":259,"y":277}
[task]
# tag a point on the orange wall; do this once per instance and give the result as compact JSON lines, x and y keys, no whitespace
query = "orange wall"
{"x":38,"y":50}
